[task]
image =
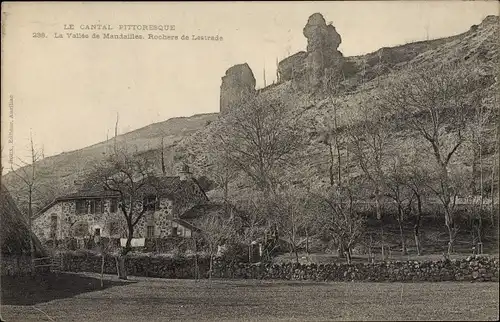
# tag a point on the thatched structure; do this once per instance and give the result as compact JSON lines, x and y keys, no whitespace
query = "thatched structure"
{"x":14,"y":232}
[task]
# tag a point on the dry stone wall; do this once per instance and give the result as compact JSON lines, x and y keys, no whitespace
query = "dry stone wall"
{"x":480,"y":268}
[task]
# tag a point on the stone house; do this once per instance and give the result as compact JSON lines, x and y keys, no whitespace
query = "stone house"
{"x":95,"y":212}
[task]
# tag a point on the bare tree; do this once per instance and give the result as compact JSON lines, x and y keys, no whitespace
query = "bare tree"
{"x":288,"y":206}
{"x":261,"y":139}
{"x":477,"y":139}
{"x":253,"y":220}
{"x":339,"y":217}
{"x":436,"y":104}
{"x":397,"y":189}
{"x":221,"y":172}
{"x":417,"y":179}
{"x":492,"y":181}
{"x":115,"y":146}
{"x":29,"y":177}
{"x":127,"y":176}
{"x":369,"y":138}
{"x":333,"y":138}
{"x":217,"y":231}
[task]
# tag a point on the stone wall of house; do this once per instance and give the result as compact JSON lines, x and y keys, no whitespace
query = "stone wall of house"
{"x":68,"y":222}
{"x":470,"y":269}
{"x":41,"y":224}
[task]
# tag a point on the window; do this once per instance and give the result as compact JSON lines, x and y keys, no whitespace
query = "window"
{"x":99,"y":206}
{"x":81,"y":207}
{"x":97,"y":232}
{"x":92,"y":206}
{"x":95,"y":206}
{"x":150,"y":231}
{"x":113,"y":207}
{"x":149,"y":203}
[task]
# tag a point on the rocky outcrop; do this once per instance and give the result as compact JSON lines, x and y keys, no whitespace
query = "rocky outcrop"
{"x":308,"y":69}
{"x":237,"y":85}
{"x":292,"y":67}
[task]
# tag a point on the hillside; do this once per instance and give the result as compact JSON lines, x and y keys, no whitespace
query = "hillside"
{"x":61,"y":174}
{"x":185,"y":139}
{"x":367,"y":80}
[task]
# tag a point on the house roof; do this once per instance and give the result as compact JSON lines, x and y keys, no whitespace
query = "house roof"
{"x":198,"y":211}
{"x":171,"y":187}
{"x":186,"y":224}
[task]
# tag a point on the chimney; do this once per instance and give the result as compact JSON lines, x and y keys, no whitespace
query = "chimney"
{"x":184,"y":173}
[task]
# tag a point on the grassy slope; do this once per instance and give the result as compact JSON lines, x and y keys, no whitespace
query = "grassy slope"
{"x":147,"y":299}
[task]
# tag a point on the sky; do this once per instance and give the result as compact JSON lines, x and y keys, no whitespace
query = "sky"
{"x":67,"y":92}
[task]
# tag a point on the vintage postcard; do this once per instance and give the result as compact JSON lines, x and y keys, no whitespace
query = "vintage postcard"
{"x":250,"y":161}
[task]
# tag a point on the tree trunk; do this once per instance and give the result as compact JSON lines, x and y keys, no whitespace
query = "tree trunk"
{"x":451,"y":233}
{"x":416,"y":227}
{"x":296,"y":254}
{"x":331,"y":173}
{"x":211,"y":266}
{"x":307,"y":242}
{"x":30,"y":228}
{"x":102,"y":270}
{"x":377,"y":203}
{"x":400,"y":223}
{"x":492,"y":184}
{"x":403,"y":244}
{"x":163,"y":169}
{"x":130,"y":236}
{"x":348,"y":255}
{"x":341,"y":249}
{"x":496,"y":154}
{"x":196,"y":270}
{"x":417,"y":240}
{"x":122,"y":270}
{"x":383,"y":241}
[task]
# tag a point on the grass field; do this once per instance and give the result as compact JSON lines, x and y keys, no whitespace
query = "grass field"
{"x":78,"y":297}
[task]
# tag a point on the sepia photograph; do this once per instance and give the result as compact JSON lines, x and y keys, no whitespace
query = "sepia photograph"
{"x":250,"y":161}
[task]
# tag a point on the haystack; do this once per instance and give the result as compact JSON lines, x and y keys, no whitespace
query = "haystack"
{"x":14,"y":232}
